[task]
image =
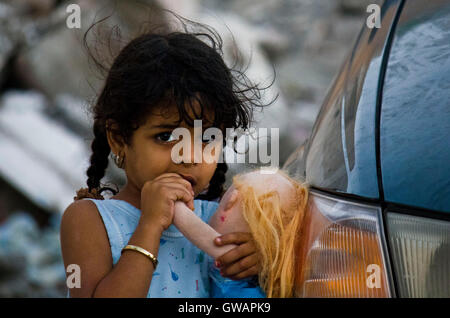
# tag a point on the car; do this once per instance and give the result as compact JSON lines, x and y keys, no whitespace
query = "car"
{"x":377,"y":164}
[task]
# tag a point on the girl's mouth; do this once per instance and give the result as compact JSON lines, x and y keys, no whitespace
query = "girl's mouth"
{"x":191,"y":179}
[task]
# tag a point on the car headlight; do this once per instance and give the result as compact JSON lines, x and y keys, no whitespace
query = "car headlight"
{"x":341,"y":250}
{"x":420,"y":250}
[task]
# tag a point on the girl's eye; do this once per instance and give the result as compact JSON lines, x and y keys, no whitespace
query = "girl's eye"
{"x":165,"y":136}
{"x":168,"y":137}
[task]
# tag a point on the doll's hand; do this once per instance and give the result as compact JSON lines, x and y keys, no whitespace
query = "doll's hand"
{"x":242,"y":261}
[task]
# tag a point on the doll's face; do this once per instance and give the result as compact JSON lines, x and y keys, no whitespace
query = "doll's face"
{"x":228,"y":217}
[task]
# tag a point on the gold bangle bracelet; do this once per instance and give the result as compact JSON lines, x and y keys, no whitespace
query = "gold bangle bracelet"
{"x":142,"y":251}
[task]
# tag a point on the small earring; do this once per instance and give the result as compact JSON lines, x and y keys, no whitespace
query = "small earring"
{"x":118,"y":160}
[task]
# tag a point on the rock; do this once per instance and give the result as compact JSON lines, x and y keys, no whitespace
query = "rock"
{"x":75,"y":113}
{"x":62,"y":51}
{"x":18,"y":229}
{"x":30,"y":258}
{"x":15,"y":287}
{"x":11,"y":264}
{"x":47,"y":277}
{"x":305,"y":78}
{"x":61,"y":160}
{"x":256,"y":11}
{"x":34,"y":8}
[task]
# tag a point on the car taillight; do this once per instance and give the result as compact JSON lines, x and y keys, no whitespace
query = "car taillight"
{"x":420,"y":250}
{"x":341,"y":252}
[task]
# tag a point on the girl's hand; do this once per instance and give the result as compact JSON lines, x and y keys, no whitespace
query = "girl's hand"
{"x":158,"y":197}
{"x":240,"y":262}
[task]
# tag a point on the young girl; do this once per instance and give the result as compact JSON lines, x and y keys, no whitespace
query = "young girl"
{"x":126,"y":246}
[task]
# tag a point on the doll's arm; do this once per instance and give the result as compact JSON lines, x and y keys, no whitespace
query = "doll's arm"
{"x":198,"y":232}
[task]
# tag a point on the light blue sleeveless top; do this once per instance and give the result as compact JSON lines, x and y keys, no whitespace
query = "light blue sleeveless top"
{"x":183,"y":268}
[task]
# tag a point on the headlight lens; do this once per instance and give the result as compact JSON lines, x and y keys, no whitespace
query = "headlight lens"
{"x":421,"y":255}
{"x":341,"y":253}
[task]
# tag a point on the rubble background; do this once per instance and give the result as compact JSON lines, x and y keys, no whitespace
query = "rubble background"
{"x":47,"y":84}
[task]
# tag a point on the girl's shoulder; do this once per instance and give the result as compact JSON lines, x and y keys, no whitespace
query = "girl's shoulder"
{"x":89,"y":215}
{"x":82,"y":225}
{"x":80,"y":210}
{"x":81,"y":214}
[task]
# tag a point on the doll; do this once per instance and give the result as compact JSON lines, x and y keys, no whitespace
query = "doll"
{"x":271,"y":208}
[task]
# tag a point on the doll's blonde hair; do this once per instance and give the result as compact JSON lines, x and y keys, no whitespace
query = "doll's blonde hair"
{"x":275,"y":232}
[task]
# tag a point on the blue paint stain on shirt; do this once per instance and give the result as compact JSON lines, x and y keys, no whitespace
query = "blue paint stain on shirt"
{"x":200,"y":258}
{"x":174,"y":275}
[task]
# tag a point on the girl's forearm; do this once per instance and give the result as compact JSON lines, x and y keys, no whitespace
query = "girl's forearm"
{"x":198,"y":232}
{"x":132,"y":275}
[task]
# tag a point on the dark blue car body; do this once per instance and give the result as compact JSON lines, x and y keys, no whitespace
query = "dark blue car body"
{"x":383,"y":132}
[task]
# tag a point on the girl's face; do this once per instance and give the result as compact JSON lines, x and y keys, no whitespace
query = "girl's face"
{"x":149,"y":153}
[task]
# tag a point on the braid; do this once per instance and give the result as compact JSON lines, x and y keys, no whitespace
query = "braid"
{"x":99,"y":163}
{"x":215,"y":189}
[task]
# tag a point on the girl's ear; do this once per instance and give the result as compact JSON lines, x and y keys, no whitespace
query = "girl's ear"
{"x":114,"y":140}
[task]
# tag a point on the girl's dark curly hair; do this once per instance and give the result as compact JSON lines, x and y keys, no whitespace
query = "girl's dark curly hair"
{"x":180,"y":67}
